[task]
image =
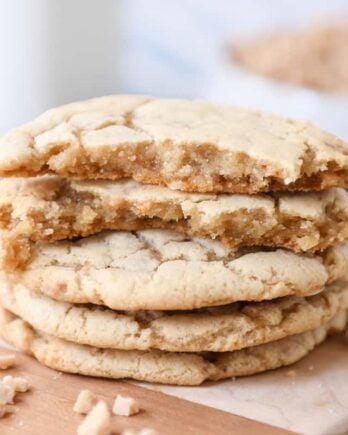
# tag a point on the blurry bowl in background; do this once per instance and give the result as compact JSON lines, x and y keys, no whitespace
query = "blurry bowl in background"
{"x":232,"y":83}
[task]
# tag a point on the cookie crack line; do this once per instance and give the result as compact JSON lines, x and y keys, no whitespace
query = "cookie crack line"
{"x":159,"y":366}
{"x":52,"y":208}
{"x":219,"y":329}
{"x":187,"y":145}
{"x":127,"y":271}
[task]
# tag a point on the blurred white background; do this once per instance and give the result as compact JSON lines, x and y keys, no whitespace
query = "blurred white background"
{"x":56,"y":52}
{"x":172,"y":46}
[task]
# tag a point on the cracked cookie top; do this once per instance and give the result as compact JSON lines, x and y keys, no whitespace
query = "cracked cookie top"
{"x":164,"y":270}
{"x":187,"y":145}
{"x":216,"y":329}
{"x":160,"y":366}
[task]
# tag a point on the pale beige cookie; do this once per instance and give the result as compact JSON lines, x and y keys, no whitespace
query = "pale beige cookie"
{"x":187,"y":145}
{"x":217,"y":329}
{"x":155,"y":365}
{"x":53,"y":208}
{"x":163,"y":270}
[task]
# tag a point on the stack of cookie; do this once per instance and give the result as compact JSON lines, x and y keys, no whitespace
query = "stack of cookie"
{"x":171,"y":241}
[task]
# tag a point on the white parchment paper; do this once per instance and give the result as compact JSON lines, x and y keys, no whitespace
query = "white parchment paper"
{"x":313,"y":400}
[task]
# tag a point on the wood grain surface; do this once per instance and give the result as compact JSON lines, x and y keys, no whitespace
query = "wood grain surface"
{"x":47,"y":408}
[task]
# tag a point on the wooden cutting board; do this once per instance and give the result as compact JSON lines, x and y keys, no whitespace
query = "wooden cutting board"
{"x":47,"y":408}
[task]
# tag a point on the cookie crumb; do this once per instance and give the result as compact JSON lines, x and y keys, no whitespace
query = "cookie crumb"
{"x":125,"y":406}
{"x":85,"y":402}
{"x":7,"y":361}
{"x":9,"y":386}
{"x":19,"y":384}
{"x":291,"y":374}
{"x":310,"y":368}
{"x":7,"y":394}
{"x":97,"y":422}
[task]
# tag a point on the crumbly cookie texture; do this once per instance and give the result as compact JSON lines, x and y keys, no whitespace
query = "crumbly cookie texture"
{"x":187,"y":145}
{"x":9,"y":386}
{"x":164,"y":270}
{"x":158,"y":366}
{"x":217,"y":329}
{"x":315,"y":57}
{"x":19,"y":384}
{"x":85,"y":402}
{"x":125,"y":406}
{"x":97,"y":422}
{"x":52,"y":208}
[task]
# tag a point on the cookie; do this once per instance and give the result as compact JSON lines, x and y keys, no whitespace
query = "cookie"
{"x":164,"y":270}
{"x":218,"y":329}
{"x":155,"y":365}
{"x":193,"y":146}
{"x":53,"y":208}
